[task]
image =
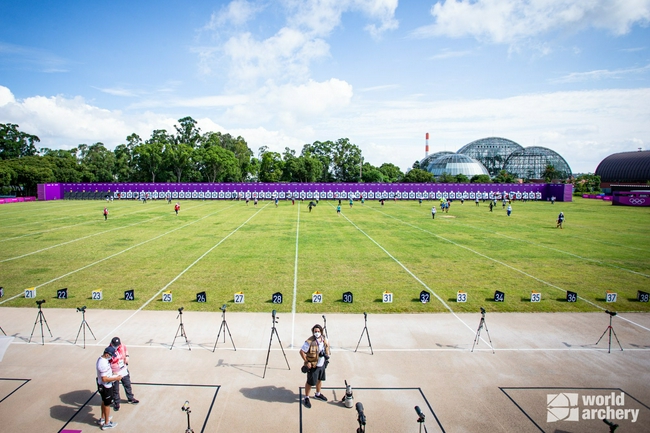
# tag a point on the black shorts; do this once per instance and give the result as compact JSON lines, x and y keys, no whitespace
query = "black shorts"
{"x":106,"y":394}
{"x":315,"y":374}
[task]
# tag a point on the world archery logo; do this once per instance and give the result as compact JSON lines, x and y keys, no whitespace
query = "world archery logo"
{"x":562,"y":407}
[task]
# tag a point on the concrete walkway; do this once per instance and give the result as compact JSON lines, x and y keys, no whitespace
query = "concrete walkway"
{"x":546,"y":371}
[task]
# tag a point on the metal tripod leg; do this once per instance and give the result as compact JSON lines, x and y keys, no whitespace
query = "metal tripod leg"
{"x":274,"y":331}
{"x":40,"y":317}
{"x":224,"y":325}
{"x":482,"y":324}
{"x":181,"y":329}
{"x":83,"y":325}
{"x":365,"y":330}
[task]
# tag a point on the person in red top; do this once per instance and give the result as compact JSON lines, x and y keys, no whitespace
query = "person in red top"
{"x":105,"y":213}
{"x":177,"y":207}
{"x":119,"y":366}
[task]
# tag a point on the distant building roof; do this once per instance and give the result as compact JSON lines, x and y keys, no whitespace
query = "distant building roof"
{"x":630,"y":167}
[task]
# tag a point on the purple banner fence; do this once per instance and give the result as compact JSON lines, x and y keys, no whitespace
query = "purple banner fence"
{"x":369,"y":191}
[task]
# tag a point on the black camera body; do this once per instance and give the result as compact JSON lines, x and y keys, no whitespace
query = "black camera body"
{"x":81,"y":309}
{"x":180,"y":310}
{"x":41,"y":302}
{"x":223,"y":307}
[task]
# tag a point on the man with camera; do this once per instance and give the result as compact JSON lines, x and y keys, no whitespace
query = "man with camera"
{"x":315,"y":353}
{"x":119,"y":364}
{"x":105,"y":379}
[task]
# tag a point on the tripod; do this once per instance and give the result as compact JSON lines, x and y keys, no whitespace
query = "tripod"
{"x":83,"y":325}
{"x":40,"y":317}
{"x":274,"y":331}
{"x":611,"y":331}
{"x":481,"y":324}
{"x":186,"y":408}
{"x":3,"y":331}
{"x":181,"y":329}
{"x":224,"y":326}
{"x":365,"y":329}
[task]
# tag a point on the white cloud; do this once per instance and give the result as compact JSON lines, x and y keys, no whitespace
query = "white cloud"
{"x":600,"y":74}
{"x":236,"y":13}
{"x":582,"y":126}
{"x":511,"y":21}
{"x":450,"y":54}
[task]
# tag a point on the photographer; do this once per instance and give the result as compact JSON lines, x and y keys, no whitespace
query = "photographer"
{"x":315,"y":354}
{"x":105,"y":379}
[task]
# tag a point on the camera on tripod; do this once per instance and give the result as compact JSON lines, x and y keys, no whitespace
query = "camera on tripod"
{"x":483,"y":311}
{"x":611,"y":313}
{"x":81,"y":309}
{"x":186,"y":407}
{"x":223,"y":307}
{"x":41,"y":302}
{"x":274,"y":316}
{"x":180,"y":310}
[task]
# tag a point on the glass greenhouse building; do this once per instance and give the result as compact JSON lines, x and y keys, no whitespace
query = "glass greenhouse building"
{"x":428,"y":160}
{"x":454,"y":164}
{"x":531,"y":163}
{"x":492,"y":152}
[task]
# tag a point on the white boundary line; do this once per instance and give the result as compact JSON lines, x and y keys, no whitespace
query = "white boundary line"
{"x":411,"y":274}
{"x":112,"y":255}
{"x":505,"y":264}
{"x":295,"y":281}
{"x":74,"y":225}
{"x":82,"y":238}
{"x":182,"y":272}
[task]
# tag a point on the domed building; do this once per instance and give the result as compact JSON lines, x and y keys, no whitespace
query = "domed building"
{"x":454,"y":164}
{"x":426,"y":162}
{"x":625,"y":167}
{"x":492,"y":152}
{"x":531,"y":163}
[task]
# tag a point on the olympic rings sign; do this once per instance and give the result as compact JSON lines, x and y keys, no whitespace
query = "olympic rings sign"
{"x":637,"y":200}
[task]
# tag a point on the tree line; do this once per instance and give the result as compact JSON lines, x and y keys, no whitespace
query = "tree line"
{"x":189,"y":155}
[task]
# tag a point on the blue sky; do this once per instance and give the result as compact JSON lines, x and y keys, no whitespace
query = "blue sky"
{"x":570,"y":75}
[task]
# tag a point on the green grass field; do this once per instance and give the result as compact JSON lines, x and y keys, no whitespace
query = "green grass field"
{"x":224,"y":247}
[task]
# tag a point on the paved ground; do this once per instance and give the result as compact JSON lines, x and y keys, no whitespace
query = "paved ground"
{"x":545,"y":366}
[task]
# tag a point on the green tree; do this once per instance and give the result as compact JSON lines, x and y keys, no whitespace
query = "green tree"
{"x":372,"y":175}
{"x":28,"y":172}
{"x":271,"y":167}
{"x":587,"y":183}
{"x":125,"y":159}
{"x":346,"y":159}
{"x":481,"y":178}
{"x":391,"y":172}
{"x":219,"y":165}
{"x":446,"y":178}
{"x":416,"y":175}
{"x":504,"y":177}
{"x":64,"y":165}
{"x":461,"y":178}
{"x":97,"y":163}
{"x":148,"y":156}
{"x":323,"y":151}
{"x":550,"y":173}
{"x":16,"y":144}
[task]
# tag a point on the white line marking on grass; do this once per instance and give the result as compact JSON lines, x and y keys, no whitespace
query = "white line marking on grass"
{"x":504,"y":264}
{"x":82,"y":238}
{"x":557,"y":250}
{"x":410,"y":273}
{"x":295,"y":281}
{"x":182,"y":272}
{"x":113,"y":255}
{"x":97,"y":221}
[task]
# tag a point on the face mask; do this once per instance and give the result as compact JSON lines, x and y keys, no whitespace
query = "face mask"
{"x":317,"y":334}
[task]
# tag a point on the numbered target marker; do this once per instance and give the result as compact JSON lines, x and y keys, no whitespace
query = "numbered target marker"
{"x":348,"y":298}
{"x":62,"y":293}
{"x":239,"y":298}
{"x":276,"y":298}
{"x":30,"y":293}
{"x":97,"y":295}
{"x":167,"y":296}
{"x":461,"y":296}
{"x":201,"y":297}
{"x":499,"y":296}
{"x":425,"y":296}
{"x":610,"y":296}
{"x":640,"y":296}
{"x":535,"y":296}
{"x":129,"y":295}
{"x":571,"y":297}
{"x":317,"y":298}
{"x":387,"y":297}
